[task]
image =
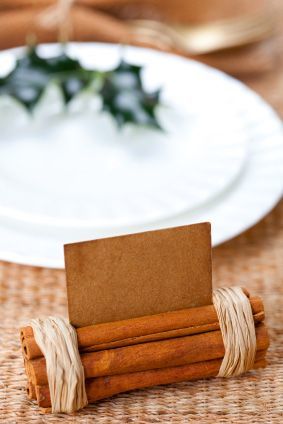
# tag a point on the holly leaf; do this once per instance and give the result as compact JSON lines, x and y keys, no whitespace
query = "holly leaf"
{"x":28,"y":80}
{"x":124,"y":97}
{"x":121,"y":89}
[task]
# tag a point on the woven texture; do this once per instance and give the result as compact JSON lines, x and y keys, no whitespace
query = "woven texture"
{"x":254,"y":259}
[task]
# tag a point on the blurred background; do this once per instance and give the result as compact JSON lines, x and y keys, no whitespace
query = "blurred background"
{"x":191,"y":27}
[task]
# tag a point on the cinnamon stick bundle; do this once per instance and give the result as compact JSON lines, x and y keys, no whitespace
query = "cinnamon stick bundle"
{"x":146,"y":356}
{"x":141,"y":352}
{"x":143,"y":329}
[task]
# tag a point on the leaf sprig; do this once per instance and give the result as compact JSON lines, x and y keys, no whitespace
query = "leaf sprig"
{"x":121,"y":89}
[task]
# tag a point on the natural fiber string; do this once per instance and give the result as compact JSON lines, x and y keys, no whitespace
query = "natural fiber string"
{"x":238,"y":330}
{"x":58,"y":15}
{"x":57,"y":340}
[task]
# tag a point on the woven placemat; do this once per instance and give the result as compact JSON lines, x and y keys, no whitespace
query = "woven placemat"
{"x":254,"y":259}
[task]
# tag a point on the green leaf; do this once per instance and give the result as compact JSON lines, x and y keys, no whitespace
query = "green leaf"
{"x":126,"y":100}
{"x":32,"y":73}
{"x":121,"y":89}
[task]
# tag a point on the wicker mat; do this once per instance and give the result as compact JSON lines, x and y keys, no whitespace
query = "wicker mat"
{"x":254,"y":259}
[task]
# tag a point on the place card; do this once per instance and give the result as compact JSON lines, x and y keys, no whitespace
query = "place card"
{"x":134,"y":275}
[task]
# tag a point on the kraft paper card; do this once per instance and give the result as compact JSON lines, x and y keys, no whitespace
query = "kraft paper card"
{"x":140,"y":274}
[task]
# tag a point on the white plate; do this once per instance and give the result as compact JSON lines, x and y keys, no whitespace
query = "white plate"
{"x":77,"y":170}
{"x":252,"y":194}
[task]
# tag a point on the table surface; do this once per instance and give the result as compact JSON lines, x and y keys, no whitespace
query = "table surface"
{"x":253,"y":259}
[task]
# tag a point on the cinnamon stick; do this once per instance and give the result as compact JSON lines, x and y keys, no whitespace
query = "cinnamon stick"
{"x":104,"y":387}
{"x":143,"y":329}
{"x":31,"y":391}
{"x":148,"y":356}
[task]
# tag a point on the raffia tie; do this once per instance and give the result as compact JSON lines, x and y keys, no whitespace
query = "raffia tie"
{"x":236,"y":321}
{"x":58,"y":342}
